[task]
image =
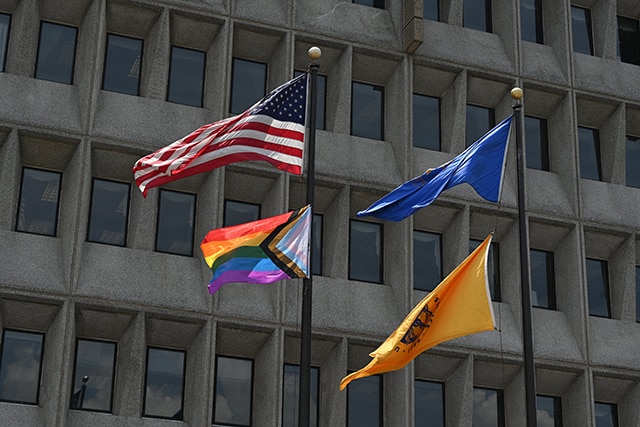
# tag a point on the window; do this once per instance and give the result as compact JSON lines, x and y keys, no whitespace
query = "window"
{"x":373,"y":3}
{"x":290,"y":399}
{"x":164,"y":383}
{"x":480,"y":120}
{"x":317,"y":243}
{"x":109,"y":212}
{"x":429,"y":403}
{"x":234,"y":391}
{"x":493,"y":267}
{"x":248,"y":84}
{"x":365,"y":251}
{"x":637,"y":293}
{"x":364,"y":402}
{"x":186,"y":76}
{"x":426,"y":122}
{"x":606,"y":414}
{"x":367,"y":110}
{"x":589,"y":151}
{"x":598,"y":288}
{"x":56,"y":52}
{"x":543,"y":285}
{"x":488,"y":407}
{"x":537,"y":142}
{"x":549,"y":411}
{"x":122,"y":64}
{"x":427,"y":260}
{"x":176,"y":217}
{"x":5,"y":22}
{"x":240,"y":212}
{"x":531,"y":20}
{"x":629,"y":40}
{"x":633,"y":160}
{"x":39,"y":201}
{"x":477,"y":15}
{"x":93,"y":375}
{"x":431,"y":10}
{"x":20,"y":366}
{"x":581,"y":30}
{"x":321,"y":108}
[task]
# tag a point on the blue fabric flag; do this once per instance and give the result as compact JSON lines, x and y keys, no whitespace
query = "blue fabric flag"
{"x":481,"y":165}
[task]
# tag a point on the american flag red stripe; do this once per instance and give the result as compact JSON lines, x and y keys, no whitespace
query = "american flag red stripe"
{"x":259,"y":133}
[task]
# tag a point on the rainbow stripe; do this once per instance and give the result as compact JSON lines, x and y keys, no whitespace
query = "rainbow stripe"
{"x":262,"y":251}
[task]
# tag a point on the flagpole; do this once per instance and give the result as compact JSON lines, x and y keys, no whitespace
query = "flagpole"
{"x":525,"y":280}
{"x":304,"y":415}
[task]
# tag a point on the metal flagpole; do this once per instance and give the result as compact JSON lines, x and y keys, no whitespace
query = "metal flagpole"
{"x":525,"y":280}
{"x":305,"y":325}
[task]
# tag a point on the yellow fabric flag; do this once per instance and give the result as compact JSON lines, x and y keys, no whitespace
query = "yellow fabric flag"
{"x":460,"y":305}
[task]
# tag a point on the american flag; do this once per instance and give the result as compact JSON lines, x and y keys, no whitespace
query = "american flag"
{"x":273,"y":130}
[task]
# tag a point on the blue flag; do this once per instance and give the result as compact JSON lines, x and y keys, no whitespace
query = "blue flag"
{"x":481,"y":166}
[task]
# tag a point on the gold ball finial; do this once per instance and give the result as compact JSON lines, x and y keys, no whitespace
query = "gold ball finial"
{"x":516,"y":93}
{"x":315,"y":53}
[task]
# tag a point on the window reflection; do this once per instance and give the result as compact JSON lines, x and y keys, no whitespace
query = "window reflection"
{"x":365,"y":251}
{"x":629,"y":40}
{"x":549,"y":411}
{"x":367,"y":110}
{"x":488,"y":407}
{"x":426,"y":122}
{"x":56,"y":52}
{"x":632,"y":161}
{"x":372,"y":3}
{"x":431,"y":10}
{"x":5,"y":22}
{"x":606,"y":414}
{"x":364,"y":402}
{"x":93,"y":375}
{"x":248,"y":84}
{"x":164,"y":385}
{"x":290,"y":396}
{"x":429,"y":403}
{"x":20,"y":366}
{"x":493,"y":267}
{"x":234,"y":391}
{"x":531,"y":20}
{"x":480,"y":120}
{"x":240,"y":212}
{"x":176,"y":216}
{"x":589,"y":153}
{"x":39,"y":200}
{"x":581,"y":30}
{"x":598,"y":287}
{"x":477,"y":15}
{"x":542,"y":279}
{"x":122,"y":64}
{"x":637,"y":293}
{"x":186,"y":76}
{"x":109,"y":212}
{"x":427,"y":260}
{"x":537,"y":143}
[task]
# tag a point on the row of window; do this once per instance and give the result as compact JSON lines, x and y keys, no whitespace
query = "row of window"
{"x":94,"y":372}
{"x":109,"y":212}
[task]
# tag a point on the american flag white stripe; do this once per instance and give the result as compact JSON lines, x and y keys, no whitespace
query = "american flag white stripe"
{"x":272,"y":130}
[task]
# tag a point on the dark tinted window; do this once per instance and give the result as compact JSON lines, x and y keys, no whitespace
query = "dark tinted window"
{"x":427,"y":260}
{"x":109,"y":212}
{"x":488,"y":407}
{"x":431,"y":10}
{"x":537,"y":142}
{"x":493,"y":267}
{"x":321,"y":106}
{"x":543,"y":287}
{"x":234,"y":391}
{"x":56,"y":52}
{"x":549,"y":411}
{"x":429,"y":403}
{"x":290,"y":396}
{"x":365,"y":251}
{"x":598,"y":288}
{"x":5,"y":23}
{"x":39,"y":201}
{"x":373,"y":3}
{"x":364,"y":402}
{"x":318,"y":230}
{"x":480,"y":120}
{"x":581,"y":30}
{"x":240,"y":212}
{"x":122,"y":64}
{"x":629,"y":40}
{"x":426,"y":122}
{"x":477,"y":15}
{"x":632,"y":161}
{"x":637,"y":293}
{"x":93,"y":375}
{"x":186,"y":76}
{"x":176,"y":217}
{"x":589,"y":151}
{"x":164,"y":383}
{"x":367,"y":110}
{"x":248,"y":84}
{"x":531,"y":20}
{"x":20,"y":366}
{"x":606,"y":414}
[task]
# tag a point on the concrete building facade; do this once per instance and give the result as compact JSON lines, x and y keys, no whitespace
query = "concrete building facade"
{"x":68,"y":288}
